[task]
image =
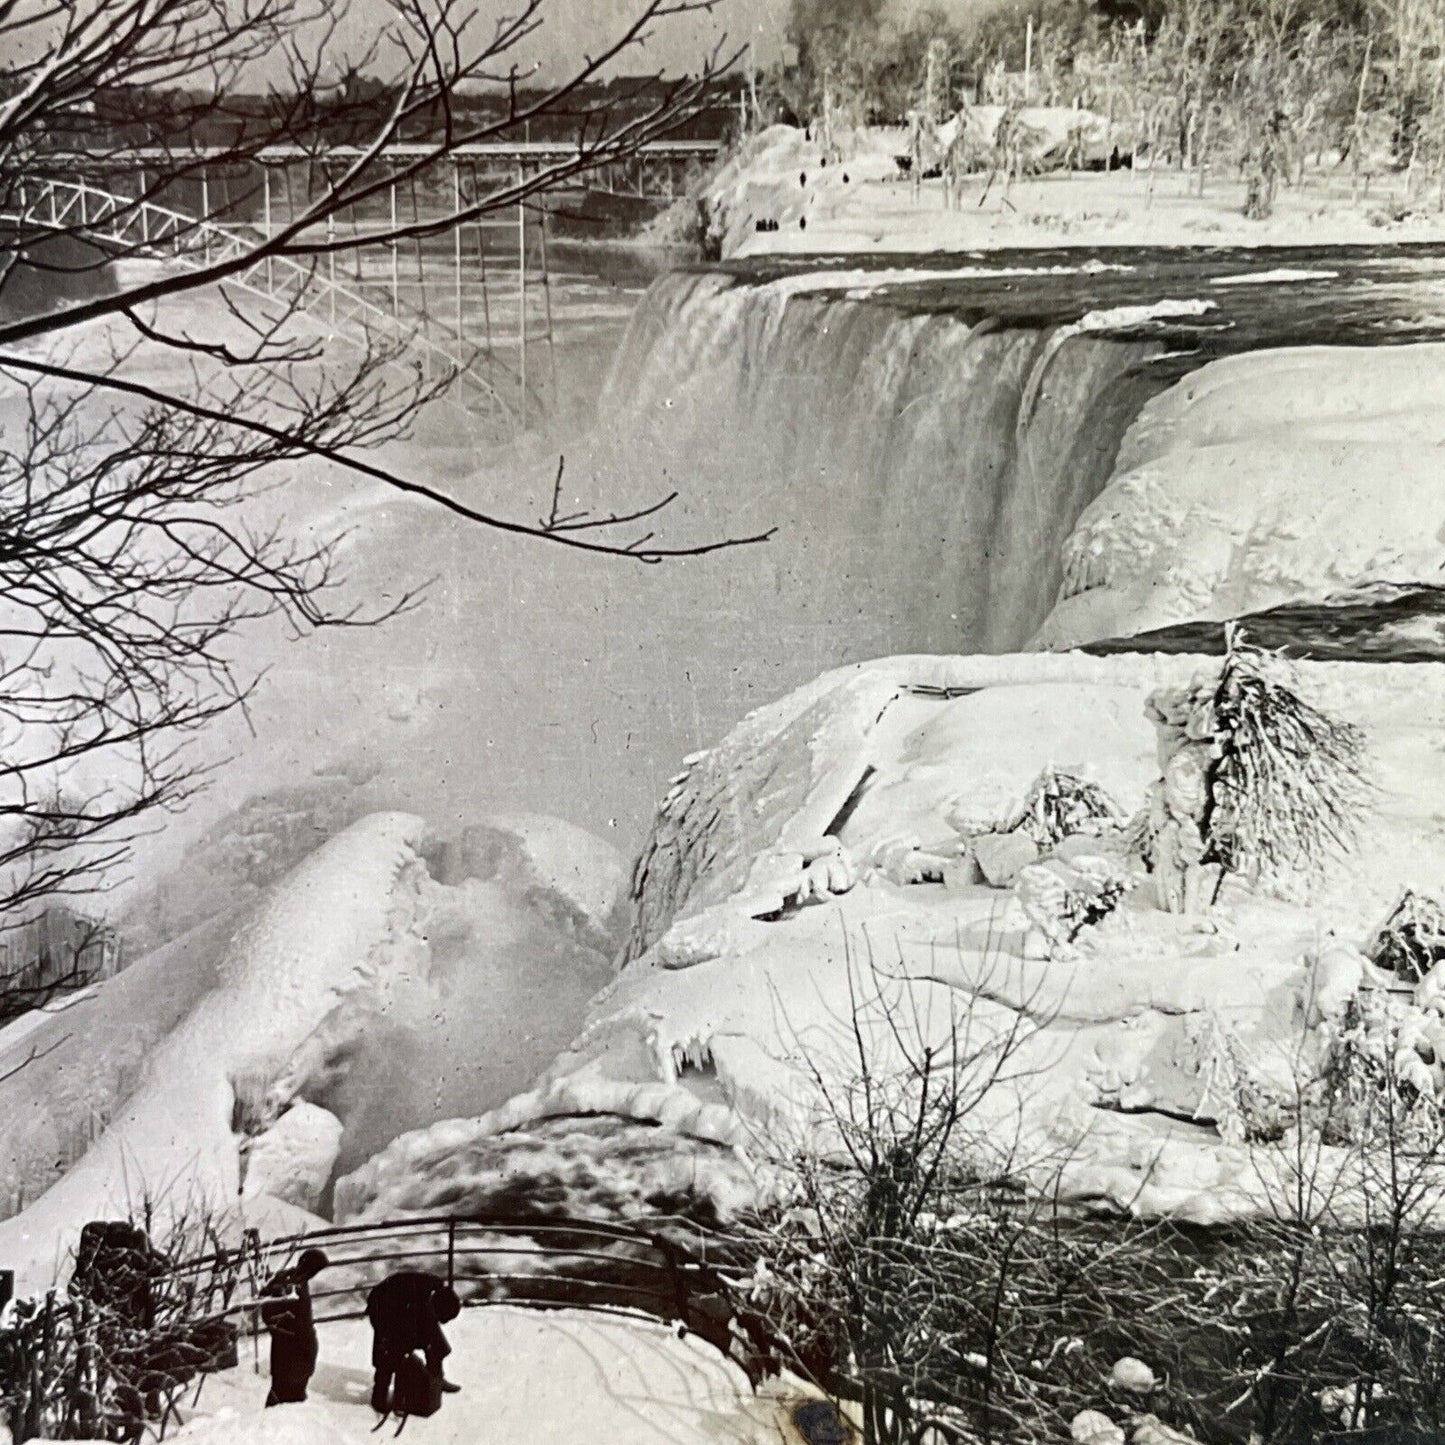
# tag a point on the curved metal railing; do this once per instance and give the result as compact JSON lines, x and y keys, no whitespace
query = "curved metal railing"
{"x":541,"y":1264}
{"x":141,"y":228}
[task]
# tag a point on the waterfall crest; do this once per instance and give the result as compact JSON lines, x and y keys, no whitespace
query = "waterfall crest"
{"x":924,"y":469}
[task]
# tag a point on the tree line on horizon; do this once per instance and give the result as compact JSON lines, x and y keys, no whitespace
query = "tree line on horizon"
{"x":1265,"y":89}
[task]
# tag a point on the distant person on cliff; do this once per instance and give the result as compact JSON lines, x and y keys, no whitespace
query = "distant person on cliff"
{"x":288,"y":1316}
{"x":407,"y":1311}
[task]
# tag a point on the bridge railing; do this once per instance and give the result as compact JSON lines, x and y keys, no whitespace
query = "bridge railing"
{"x":78,"y":207}
{"x":551,"y":1264}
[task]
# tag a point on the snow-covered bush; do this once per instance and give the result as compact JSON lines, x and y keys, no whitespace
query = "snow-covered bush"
{"x":1062,"y":897}
{"x":1412,"y":940}
{"x":901,"y":1264}
{"x":1288,"y":785}
{"x":1248,"y":1107}
{"x":1060,"y":805}
{"x":112,"y":1356}
{"x":1257,"y":782}
{"x":1384,"y":1073}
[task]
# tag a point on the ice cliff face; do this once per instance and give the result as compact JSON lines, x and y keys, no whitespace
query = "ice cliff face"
{"x":798,"y":852}
{"x":1262,"y":480}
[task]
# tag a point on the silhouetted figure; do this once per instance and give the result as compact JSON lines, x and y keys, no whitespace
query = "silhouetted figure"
{"x":288,"y":1316}
{"x":407,"y":1311}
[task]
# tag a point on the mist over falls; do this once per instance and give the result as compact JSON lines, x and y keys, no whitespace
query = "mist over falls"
{"x":921,"y":472}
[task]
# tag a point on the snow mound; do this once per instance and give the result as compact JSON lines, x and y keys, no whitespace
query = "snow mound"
{"x":767,"y":181}
{"x":360,"y":998}
{"x":312,"y":1423}
{"x":340,"y":926}
{"x":1151,"y":1048}
{"x":292,"y":1161}
{"x":1275,"y":477}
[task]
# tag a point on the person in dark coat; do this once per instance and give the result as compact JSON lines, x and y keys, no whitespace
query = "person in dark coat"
{"x":287,"y":1315}
{"x":407,"y":1311}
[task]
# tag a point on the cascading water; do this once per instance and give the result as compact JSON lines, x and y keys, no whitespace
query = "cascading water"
{"x":923,"y":472}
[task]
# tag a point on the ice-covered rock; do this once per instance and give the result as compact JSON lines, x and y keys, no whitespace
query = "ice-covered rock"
{"x":293,"y":1159}
{"x":1150,"y":1430}
{"x":1336,"y":975}
{"x":1430,"y":991}
{"x":1274,"y":477}
{"x":579,"y":1168}
{"x":1093,"y":1427}
{"x":1001,"y":857}
{"x":1343,"y":1404}
{"x":1132,"y":1376}
{"x":341,"y":925}
{"x":359,"y":997}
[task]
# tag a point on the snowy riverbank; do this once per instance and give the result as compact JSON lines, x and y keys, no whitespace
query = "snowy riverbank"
{"x":864,"y":203}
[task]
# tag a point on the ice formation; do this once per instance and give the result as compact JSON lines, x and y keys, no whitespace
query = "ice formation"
{"x":294,"y":1158}
{"x":360,"y":992}
{"x":1158,"y":1048}
{"x":1275,"y":477}
{"x":342,"y":925}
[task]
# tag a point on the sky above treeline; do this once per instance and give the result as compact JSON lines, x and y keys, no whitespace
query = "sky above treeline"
{"x":678,"y":45}
{"x":572,"y":28}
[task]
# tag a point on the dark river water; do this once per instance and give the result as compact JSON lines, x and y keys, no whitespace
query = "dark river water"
{"x":1323,"y":295}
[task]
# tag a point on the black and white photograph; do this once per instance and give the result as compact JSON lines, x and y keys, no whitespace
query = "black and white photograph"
{"x":722,"y":722}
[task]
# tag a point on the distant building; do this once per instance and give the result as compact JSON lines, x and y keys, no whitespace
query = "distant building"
{"x":60,"y":948}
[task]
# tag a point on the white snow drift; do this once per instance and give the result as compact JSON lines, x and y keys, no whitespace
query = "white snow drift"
{"x":527,"y":1378}
{"x":1141,"y":1048}
{"x":1274,"y":477}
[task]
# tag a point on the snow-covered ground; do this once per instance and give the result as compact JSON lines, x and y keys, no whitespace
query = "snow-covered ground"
{"x":306,"y":1006}
{"x":528,"y":1378}
{"x":1140,"y":1051}
{"x":864,"y":203}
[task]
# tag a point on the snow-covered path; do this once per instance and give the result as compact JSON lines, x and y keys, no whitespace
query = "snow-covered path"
{"x":528,"y":1378}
